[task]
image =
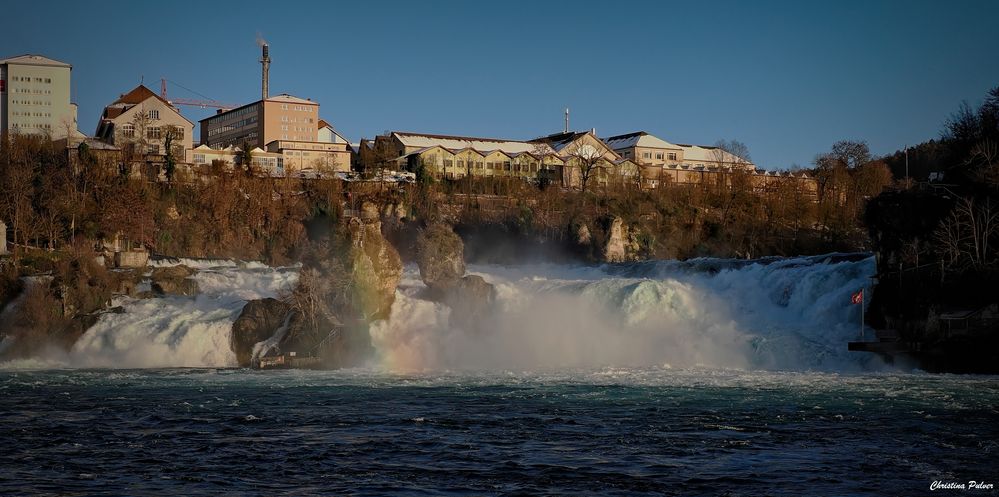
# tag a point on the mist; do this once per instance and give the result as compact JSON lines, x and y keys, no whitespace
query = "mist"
{"x":794,"y":314}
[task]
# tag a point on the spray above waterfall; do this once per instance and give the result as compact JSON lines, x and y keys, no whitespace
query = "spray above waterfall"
{"x":787,"y":314}
{"x":775,"y":314}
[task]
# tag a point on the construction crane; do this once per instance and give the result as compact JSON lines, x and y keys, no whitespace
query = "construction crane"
{"x":207,"y":102}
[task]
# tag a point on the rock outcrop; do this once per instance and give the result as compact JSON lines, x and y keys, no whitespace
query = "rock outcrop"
{"x":471,"y":300}
{"x":441,"y":257}
{"x":173,"y":280}
{"x":619,"y":243}
{"x":614,"y":248}
{"x":257,"y":322}
{"x":375,"y":269}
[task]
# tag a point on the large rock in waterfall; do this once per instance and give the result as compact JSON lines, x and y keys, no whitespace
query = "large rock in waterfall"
{"x":440,"y":254}
{"x":441,"y":257}
{"x":471,"y":300}
{"x":257,"y":322}
{"x":174,"y":280}
{"x":376,"y":269}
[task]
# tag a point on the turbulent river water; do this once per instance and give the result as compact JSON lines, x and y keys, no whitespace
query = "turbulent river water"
{"x":708,"y":377}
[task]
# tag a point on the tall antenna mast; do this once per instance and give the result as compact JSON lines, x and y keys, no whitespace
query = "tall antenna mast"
{"x":566,"y":119}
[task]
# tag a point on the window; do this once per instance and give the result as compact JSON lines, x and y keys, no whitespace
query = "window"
{"x":506,"y":165}
{"x":671,"y":156}
{"x":647,"y":155}
{"x":448,"y":162}
{"x":153,"y":149}
{"x":128,"y":130}
{"x":154,"y":133}
{"x":461,"y":163}
{"x":659,"y":155}
{"x":154,"y":114}
{"x":199,"y":158}
{"x":489,"y":165}
{"x":478,"y":165}
{"x":178,"y":133}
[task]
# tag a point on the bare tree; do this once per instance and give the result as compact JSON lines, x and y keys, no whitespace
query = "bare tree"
{"x":966,"y":237}
{"x":732,"y":152}
{"x":17,"y":176}
{"x":587,"y":159}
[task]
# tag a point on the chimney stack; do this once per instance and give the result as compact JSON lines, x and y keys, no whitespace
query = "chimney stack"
{"x":265,"y":61}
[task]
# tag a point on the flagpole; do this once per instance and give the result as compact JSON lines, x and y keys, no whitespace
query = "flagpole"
{"x":862,"y":338}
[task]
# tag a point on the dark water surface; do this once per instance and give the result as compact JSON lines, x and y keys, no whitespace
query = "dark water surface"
{"x":602,"y":432}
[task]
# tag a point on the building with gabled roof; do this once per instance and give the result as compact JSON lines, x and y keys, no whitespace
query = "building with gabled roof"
{"x":409,"y":142}
{"x":644,"y":148}
{"x":328,"y":134}
{"x":140,"y":122}
{"x":584,"y":156}
{"x":708,"y":156}
{"x":35,"y":97}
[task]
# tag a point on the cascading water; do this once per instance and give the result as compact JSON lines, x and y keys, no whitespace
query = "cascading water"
{"x":175,"y":331}
{"x":771,"y":314}
{"x":792,"y":313}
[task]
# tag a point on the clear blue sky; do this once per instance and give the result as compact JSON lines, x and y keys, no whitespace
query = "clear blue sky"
{"x":786,"y":78}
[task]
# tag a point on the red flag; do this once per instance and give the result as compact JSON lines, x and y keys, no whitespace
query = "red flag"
{"x":857,"y":298}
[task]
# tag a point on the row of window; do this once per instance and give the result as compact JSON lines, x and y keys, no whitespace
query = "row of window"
{"x":231,"y":127}
{"x":302,"y":108}
{"x":27,"y":125}
{"x":32,"y":91}
{"x":31,"y":114}
{"x":31,"y":102}
{"x":648,"y":155}
{"x":27,"y":79}
{"x":153,"y":132}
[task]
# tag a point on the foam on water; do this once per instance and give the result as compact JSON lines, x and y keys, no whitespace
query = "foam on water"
{"x":773,"y":314}
{"x":173,"y":331}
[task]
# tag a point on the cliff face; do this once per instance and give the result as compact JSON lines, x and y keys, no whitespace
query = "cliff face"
{"x":346,"y":283}
{"x":377,"y":269}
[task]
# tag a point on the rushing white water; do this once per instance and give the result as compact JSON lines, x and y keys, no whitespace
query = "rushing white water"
{"x":776,"y":314}
{"x":263,"y":347}
{"x":174,"y":331}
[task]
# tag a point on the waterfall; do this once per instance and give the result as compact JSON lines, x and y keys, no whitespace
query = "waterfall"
{"x":775,"y":313}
